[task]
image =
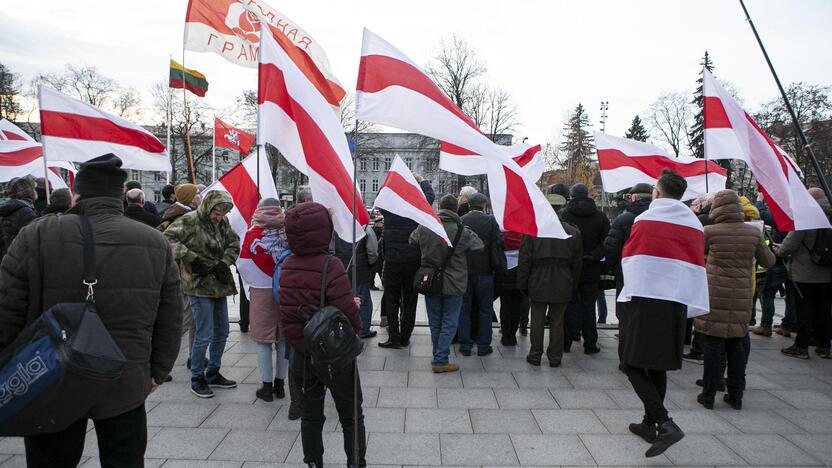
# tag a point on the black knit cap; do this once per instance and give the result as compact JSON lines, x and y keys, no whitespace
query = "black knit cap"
{"x":101,"y":177}
{"x":642,"y":187}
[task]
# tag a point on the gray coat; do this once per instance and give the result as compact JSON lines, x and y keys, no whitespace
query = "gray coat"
{"x":795,"y":248}
{"x":434,"y":250}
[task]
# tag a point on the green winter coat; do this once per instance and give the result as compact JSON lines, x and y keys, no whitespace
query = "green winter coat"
{"x":194,"y":238}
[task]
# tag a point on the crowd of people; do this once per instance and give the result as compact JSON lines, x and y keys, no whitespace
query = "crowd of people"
{"x":173,"y":275}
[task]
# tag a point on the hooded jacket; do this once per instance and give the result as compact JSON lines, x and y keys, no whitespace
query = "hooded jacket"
{"x":549,"y":269}
{"x":14,"y":215}
{"x":731,"y":246}
{"x":620,"y":231}
{"x":594,"y":226}
{"x":397,"y":230}
{"x":195,"y":238}
{"x":309,"y":232}
{"x":434,"y":251}
{"x":796,"y":249}
{"x":173,"y":213}
{"x":137,"y":295}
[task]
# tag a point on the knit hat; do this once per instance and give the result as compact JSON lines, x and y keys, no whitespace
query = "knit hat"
{"x":101,"y":177}
{"x":579,"y":191}
{"x":21,"y":188}
{"x":642,"y":187}
{"x":560,"y":189}
{"x":185,"y":193}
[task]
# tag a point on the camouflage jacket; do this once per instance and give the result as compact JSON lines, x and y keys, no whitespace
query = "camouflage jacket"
{"x":194,"y":237}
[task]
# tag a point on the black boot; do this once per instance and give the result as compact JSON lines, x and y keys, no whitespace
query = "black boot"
{"x":279,"y":392}
{"x":294,"y":396}
{"x":669,"y":434}
{"x":704,"y":401}
{"x":646,"y":430}
{"x":735,"y":403}
{"x":265,"y":392}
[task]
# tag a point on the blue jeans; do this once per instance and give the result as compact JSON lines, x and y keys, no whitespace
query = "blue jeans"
{"x":443,"y":317}
{"x":481,"y":290}
{"x":211,"y":323}
{"x":775,"y":276}
{"x":363,"y":292}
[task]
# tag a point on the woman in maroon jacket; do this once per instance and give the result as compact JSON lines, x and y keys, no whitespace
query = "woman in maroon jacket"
{"x":309,"y":232}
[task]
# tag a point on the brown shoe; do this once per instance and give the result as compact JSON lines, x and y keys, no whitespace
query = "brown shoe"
{"x":442,"y":368}
{"x":762,"y":331}
{"x":783,"y":331}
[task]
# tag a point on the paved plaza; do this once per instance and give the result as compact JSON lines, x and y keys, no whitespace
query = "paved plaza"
{"x":498,"y":411}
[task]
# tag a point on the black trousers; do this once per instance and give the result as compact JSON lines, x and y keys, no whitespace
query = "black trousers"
{"x":651,"y":387}
{"x":733,"y":350}
{"x":514,"y":305}
{"x":122,"y":441}
{"x":244,"y":315}
{"x":814,"y":310}
{"x":399,"y":294}
{"x":346,"y":392}
{"x":580,"y":317}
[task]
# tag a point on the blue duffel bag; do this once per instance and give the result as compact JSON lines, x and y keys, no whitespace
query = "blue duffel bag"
{"x":60,"y":365}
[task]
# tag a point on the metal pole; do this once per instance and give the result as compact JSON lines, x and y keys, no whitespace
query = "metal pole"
{"x":824,"y":185}
{"x":170,"y":114}
{"x":214,"y":152}
{"x":45,"y":167}
{"x":354,"y":277}
{"x":704,"y":134}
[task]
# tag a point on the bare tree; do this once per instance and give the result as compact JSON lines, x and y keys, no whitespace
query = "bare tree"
{"x":195,"y":120}
{"x":670,"y":118}
{"x":502,"y":116}
{"x":456,"y":68}
{"x":127,"y":103}
{"x":84,"y":82}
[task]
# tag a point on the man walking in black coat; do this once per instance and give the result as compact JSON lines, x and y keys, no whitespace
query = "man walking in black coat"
{"x":135,"y":209}
{"x":401,"y":260}
{"x":582,"y":213}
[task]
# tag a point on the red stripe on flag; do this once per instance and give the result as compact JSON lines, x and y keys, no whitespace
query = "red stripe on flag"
{"x":783,"y":221}
{"x":527,"y":155}
{"x":82,"y":127}
{"x":20,"y":157}
{"x":609,"y":159}
{"x":243,"y":191}
{"x":519,"y":211}
{"x":13,"y":136}
{"x":409,"y":193}
{"x":714,"y":114}
{"x":666,"y":240}
{"x":452,"y":149}
{"x":320,"y":155}
{"x":377,"y":72}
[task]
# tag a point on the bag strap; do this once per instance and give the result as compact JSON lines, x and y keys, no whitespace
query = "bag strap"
{"x":459,"y":228}
{"x":323,"y":279}
{"x":90,"y":277}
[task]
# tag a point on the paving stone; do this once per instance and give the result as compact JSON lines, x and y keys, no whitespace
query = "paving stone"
{"x":583,"y":399}
{"x":235,"y":416}
{"x":12,"y":446}
{"x":366,"y":363}
{"x":768,"y":449}
{"x":627,"y":399}
{"x":759,"y":422}
{"x":477,"y":449}
{"x":568,"y":422}
{"x":384,"y":379}
{"x":534,"y":398}
{"x":393,"y":397}
{"x":333,"y":450}
{"x":510,"y":365}
{"x":581,"y":380}
{"x":702,"y":421}
{"x":202,"y":463}
{"x":180,"y":414}
{"x":281,"y":422}
{"x":804,"y":399}
{"x":810,"y":421}
{"x":384,"y":419}
{"x":556,"y":380}
{"x":433,"y":421}
{"x":488,"y":380}
{"x":95,"y":462}
{"x":818,"y":445}
{"x":430,"y":379}
{"x":466,"y":398}
{"x":620,"y":450}
{"x":185,"y":444}
{"x":516,"y":421}
{"x":548,"y":450}
{"x":404,"y":449}
{"x":616,"y":421}
{"x":245,"y":445}
{"x":701,"y":449}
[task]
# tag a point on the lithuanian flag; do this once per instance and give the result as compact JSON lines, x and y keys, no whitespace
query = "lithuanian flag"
{"x":192,"y":80}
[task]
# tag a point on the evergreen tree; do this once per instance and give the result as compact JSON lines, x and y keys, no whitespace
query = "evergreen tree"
{"x":697,"y":132}
{"x":9,"y":91}
{"x":578,"y":147}
{"x":637,"y":130}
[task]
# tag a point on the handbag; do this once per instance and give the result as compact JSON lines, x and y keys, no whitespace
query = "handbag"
{"x":429,"y":280}
{"x":60,"y":365}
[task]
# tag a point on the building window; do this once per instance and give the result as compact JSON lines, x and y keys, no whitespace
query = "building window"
{"x":135,"y":175}
{"x":362,"y":185}
{"x":363,"y":164}
{"x":386,"y":164}
{"x":157,"y":196}
{"x":375,"y":164}
{"x":157,"y":176}
{"x":409,"y":163}
{"x":375,"y":185}
{"x":441,"y":186}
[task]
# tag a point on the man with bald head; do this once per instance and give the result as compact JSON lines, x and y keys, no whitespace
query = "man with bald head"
{"x":135,"y":209}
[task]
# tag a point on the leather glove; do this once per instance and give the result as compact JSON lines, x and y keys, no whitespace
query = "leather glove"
{"x":222,"y":272}
{"x":201,"y":267}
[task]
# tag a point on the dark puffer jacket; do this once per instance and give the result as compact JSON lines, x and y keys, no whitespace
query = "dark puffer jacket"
{"x":594,"y":226}
{"x":309,"y":232}
{"x":491,"y":259}
{"x":137,"y":295}
{"x":397,"y":229}
{"x":14,"y":215}
{"x":620,"y":232}
{"x":731,"y":247}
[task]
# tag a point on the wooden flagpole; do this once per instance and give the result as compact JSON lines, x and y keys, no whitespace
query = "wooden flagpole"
{"x":187,"y":118}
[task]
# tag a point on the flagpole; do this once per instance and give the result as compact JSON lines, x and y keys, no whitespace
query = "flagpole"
{"x":354,"y":275}
{"x":704,"y":134}
{"x":824,"y":185}
{"x":187,"y":117}
{"x":43,"y":155}
{"x":170,"y":114}
{"x":214,"y":152}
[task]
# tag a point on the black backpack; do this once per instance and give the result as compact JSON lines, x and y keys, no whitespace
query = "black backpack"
{"x":331,"y":342}
{"x":821,"y":251}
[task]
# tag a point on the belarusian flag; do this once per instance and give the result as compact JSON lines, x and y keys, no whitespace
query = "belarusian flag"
{"x":183,"y":78}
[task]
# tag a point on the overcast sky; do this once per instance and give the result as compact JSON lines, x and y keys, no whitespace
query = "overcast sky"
{"x":549,"y":55}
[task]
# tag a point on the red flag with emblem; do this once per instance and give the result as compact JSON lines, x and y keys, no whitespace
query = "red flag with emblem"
{"x":227,"y":136}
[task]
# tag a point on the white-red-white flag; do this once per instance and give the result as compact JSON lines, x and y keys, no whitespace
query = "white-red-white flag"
{"x":461,"y":161}
{"x":76,"y":131}
{"x":664,"y":257}
{"x":402,"y":195}
{"x":11,"y":132}
{"x":624,"y":163}
{"x":231,"y":29}
{"x":241,"y":182}
{"x":299,"y":122}
{"x":730,"y":133}
{"x":21,"y":155}
{"x":394,"y":91}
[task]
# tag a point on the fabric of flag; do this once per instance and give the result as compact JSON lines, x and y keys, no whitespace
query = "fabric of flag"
{"x":401,"y":194}
{"x":299,"y":122}
{"x":624,"y":163}
{"x":226,"y":136}
{"x":11,"y":132}
{"x":730,"y":133}
{"x":461,"y":161}
{"x":231,"y":29}
{"x":185,"y":78}
{"x":21,"y":155}
{"x":394,"y":91}
{"x":75,"y":131}
{"x":664,"y":257}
